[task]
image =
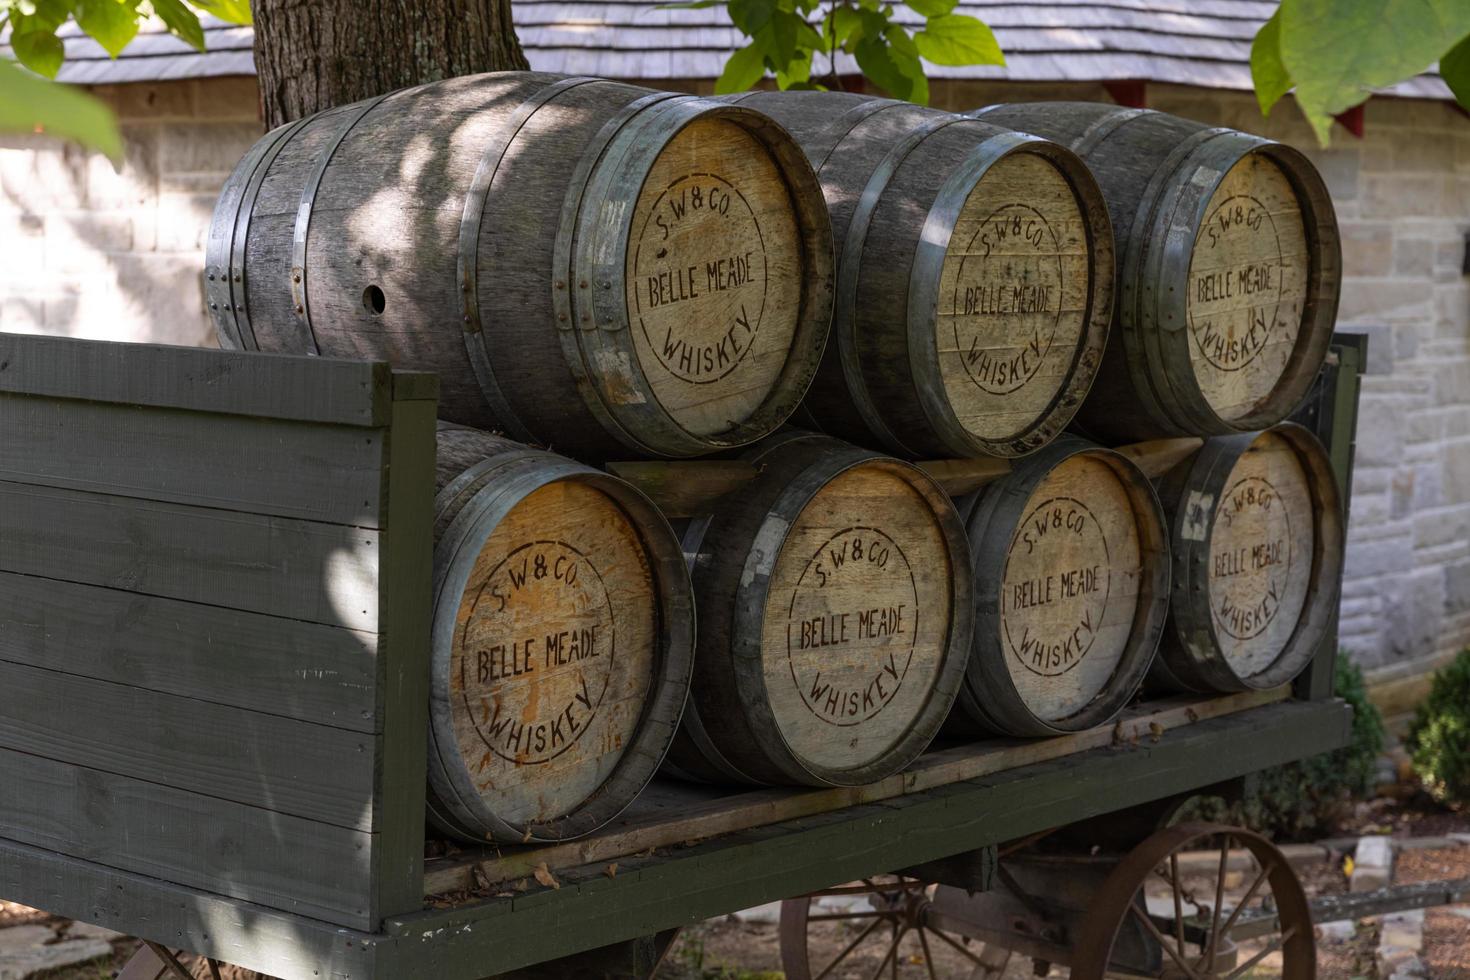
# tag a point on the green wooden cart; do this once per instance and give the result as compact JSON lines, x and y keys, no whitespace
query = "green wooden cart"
{"x":214,"y":598}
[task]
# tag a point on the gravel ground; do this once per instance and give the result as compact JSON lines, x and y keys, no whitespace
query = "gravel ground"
{"x":1446,"y":930}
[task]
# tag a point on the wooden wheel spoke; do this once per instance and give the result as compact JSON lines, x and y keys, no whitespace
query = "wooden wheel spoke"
{"x":1177,"y":957}
{"x":1174,"y":886}
{"x":928,"y":956}
{"x":954,"y":945}
{"x":1250,"y":894}
{"x":849,"y":948}
{"x":1271,"y":947}
{"x":213,"y":969}
{"x":167,"y":955}
{"x":892,"y":952}
{"x":1207,"y":959}
{"x":837,"y":916}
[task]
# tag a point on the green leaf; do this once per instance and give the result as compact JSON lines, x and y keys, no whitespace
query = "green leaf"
{"x":751,"y":16}
{"x":743,"y":69}
{"x":1270,"y":76}
{"x":933,"y":8}
{"x":958,"y":39}
{"x":1338,"y":51}
{"x":230,"y":11}
{"x":40,"y":51}
{"x":181,"y":21}
{"x":898,"y":74}
{"x":841,"y":26}
{"x":795,"y":74}
{"x":29,"y":104}
{"x":111,"y":23}
{"x":1454,"y":68}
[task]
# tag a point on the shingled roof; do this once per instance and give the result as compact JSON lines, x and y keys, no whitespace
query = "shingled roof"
{"x":1187,"y":42}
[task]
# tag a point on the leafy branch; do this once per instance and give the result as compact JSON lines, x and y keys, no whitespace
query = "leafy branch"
{"x":1336,"y":52}
{"x":785,"y":36}
{"x":29,"y":103}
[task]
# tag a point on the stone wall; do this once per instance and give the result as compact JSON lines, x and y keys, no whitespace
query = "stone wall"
{"x":88,"y":252}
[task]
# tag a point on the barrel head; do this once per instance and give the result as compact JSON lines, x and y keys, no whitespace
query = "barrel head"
{"x":858,"y":618}
{"x":1248,"y":284}
{"x":1070,"y":585}
{"x":1013,"y":298}
{"x":713,"y":276}
{"x":1261,"y":554}
{"x":554,"y":653}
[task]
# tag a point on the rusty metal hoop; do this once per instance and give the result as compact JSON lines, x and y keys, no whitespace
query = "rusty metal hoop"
{"x":1119,"y":899}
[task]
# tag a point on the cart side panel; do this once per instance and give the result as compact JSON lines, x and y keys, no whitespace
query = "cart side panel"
{"x":194,"y":673}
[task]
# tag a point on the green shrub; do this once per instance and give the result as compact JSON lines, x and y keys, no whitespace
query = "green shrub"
{"x":1304,"y":800}
{"x":1439,"y":737}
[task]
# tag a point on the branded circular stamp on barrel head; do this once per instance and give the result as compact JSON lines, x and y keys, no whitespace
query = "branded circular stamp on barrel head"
{"x":1071,"y":572}
{"x":562,"y":642}
{"x":1256,"y":528}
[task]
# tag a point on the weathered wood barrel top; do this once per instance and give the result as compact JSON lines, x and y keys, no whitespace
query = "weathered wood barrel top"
{"x":1230,"y":269}
{"x":1071,"y":587}
{"x":975,"y":276}
{"x":563,"y":635}
{"x":1257,"y":533}
{"x":586,"y":264}
{"x":833,"y":596}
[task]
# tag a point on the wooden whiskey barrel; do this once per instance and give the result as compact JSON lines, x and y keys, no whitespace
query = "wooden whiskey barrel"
{"x":975,"y":277}
{"x":1071,"y":590}
{"x":562,"y":642}
{"x":1256,"y":529}
{"x":833,"y":597}
{"x":1230,"y":270}
{"x":585,"y":264}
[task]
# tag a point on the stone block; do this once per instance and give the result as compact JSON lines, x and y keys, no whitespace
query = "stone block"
{"x":24,"y":937}
{"x":1382,"y":431}
{"x":238,"y":97}
{"x":1332,"y":933}
{"x":1431,"y":152}
{"x":1457,"y":588}
{"x":1380,"y":346}
{"x":1457,"y":471}
{"x":1367,"y":248}
{"x":1375,"y":559}
{"x":136,"y":183}
{"x":39,"y":173}
{"x":1373,"y":299}
{"x":1413,"y":258}
{"x":1428,"y":485}
{"x":24,"y":964}
{"x":183,"y":221}
{"x":148,"y":101}
{"x":1396,"y":194}
{"x":1442,"y":526}
{"x":1339,"y":168}
{"x":1451,"y":382}
{"x":1414,"y":611}
{"x":203,"y":147}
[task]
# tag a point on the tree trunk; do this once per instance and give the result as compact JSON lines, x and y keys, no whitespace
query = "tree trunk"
{"x":311,"y":55}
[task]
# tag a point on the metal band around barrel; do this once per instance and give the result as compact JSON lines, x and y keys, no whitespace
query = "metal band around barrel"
{"x":303,"y":218}
{"x":564,"y":284}
{"x":217,"y":268}
{"x":1132,"y":294}
{"x":468,"y":260}
{"x":829,"y":139}
{"x":844,"y":327}
{"x":1102,"y":128}
{"x":230,"y":289}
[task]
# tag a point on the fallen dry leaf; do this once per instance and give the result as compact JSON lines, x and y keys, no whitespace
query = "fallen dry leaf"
{"x":612,"y":870}
{"x":544,"y":876}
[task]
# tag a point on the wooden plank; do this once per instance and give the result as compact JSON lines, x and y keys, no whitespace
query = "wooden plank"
{"x":321,"y":573}
{"x":315,"y":389}
{"x":403,"y":679}
{"x":1158,"y":456}
{"x":756,"y":866}
{"x":290,"y":469}
{"x":251,"y":936}
{"x":274,"y":763}
{"x":961,"y":476}
{"x":267,"y":664}
{"x":671,"y":813}
{"x":688,"y":488}
{"x":243,"y":852}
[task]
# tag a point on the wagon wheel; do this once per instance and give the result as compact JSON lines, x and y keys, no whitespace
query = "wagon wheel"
{"x":887,"y":917}
{"x":1207,"y":921}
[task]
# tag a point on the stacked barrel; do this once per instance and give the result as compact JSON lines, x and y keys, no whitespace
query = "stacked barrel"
{"x":821,"y":289}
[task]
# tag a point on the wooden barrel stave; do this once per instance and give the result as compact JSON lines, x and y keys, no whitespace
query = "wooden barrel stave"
{"x":445,"y":205}
{"x":1286,"y":568}
{"x":502,"y":765}
{"x":1161,"y":176}
{"x":902,"y":182}
{"x":1118,"y":549}
{"x":757,"y":716}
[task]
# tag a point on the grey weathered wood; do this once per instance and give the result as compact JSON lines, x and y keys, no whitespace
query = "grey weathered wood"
{"x":299,"y":569}
{"x":278,"y":944}
{"x":290,"y":469}
{"x":1158,"y":172}
{"x":402,"y":680}
{"x":266,"y":761}
{"x":897,"y":177}
{"x":281,"y":861}
{"x":263,"y":663}
{"x":313,"y":389}
{"x":469,"y":238}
